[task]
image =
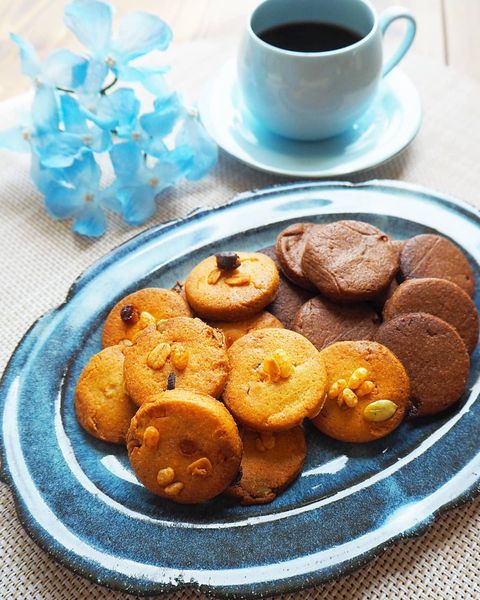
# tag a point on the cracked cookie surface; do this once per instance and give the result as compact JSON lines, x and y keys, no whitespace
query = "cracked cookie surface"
{"x":349,"y":261}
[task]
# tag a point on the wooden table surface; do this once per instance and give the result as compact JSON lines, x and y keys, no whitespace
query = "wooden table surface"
{"x":448,"y":30}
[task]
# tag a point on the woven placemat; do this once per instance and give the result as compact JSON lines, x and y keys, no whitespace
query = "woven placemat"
{"x":40,"y":258}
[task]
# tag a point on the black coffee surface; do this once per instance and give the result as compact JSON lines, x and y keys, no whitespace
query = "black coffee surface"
{"x":309,"y":36}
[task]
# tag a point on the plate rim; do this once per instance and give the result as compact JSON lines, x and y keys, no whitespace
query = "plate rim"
{"x":286,"y":585}
{"x":319,"y":174}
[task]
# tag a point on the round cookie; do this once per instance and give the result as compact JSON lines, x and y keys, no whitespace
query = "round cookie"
{"x":324,"y":323}
{"x":270,"y":462}
{"x":232,"y":294}
{"x":102,"y":405}
{"x":430,"y":255}
{"x":289,"y":248}
{"x":277,"y":378}
{"x":349,"y":261}
{"x":193,"y":351}
{"x":434,"y":356}
{"x":289,"y":298}
{"x":234,"y":331}
{"x":184,"y":446}
{"x":438,"y":297}
{"x":380,"y":391}
{"x":139,"y":310}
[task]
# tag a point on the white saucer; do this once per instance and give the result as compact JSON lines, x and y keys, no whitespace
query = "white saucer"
{"x":386,"y":128}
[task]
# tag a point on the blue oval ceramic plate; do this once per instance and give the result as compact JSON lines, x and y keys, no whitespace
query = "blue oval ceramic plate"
{"x":78,"y":498}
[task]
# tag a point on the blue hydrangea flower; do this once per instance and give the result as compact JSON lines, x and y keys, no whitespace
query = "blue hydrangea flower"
{"x":90,"y":135}
{"x":62,"y":68}
{"x":139,"y":33}
{"x":133,"y":193}
{"x":77,"y":196}
{"x":204,"y":150}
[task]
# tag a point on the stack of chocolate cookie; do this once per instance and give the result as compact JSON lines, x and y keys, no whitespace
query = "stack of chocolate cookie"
{"x":413,"y":296}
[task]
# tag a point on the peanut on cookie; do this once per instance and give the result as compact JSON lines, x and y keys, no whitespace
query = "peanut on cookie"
{"x":184,"y":446}
{"x":193,"y":351}
{"x":232,"y":286}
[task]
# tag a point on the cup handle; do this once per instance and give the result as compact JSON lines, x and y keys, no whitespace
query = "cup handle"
{"x":386,"y":19}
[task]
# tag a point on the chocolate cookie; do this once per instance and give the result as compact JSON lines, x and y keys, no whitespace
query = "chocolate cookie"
{"x":290,"y":297}
{"x":438,"y":297}
{"x":323,"y":322}
{"x":434,"y":356}
{"x":289,"y":247}
{"x":349,"y":261}
{"x":430,"y":255}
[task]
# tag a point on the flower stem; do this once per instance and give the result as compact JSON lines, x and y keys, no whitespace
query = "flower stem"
{"x":110,"y":85}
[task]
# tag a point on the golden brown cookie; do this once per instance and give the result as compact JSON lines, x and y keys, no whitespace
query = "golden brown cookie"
{"x":184,"y":446}
{"x":193,"y":351}
{"x":368,"y":392}
{"x":102,"y":405}
{"x":234,"y":331}
{"x":224,"y":293}
{"x":277,"y":379}
{"x":139,"y":310}
{"x":270,"y":462}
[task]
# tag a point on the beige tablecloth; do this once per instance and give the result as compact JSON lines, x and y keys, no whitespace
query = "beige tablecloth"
{"x":40,"y":258}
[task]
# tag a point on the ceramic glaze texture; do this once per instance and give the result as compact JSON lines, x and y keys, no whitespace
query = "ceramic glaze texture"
{"x":78,"y":497}
{"x":310,"y":96}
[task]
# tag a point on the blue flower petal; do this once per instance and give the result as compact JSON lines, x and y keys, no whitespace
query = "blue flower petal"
{"x":127,"y":161}
{"x":101,"y":140}
{"x":72,"y":114}
{"x":91,"y":221}
{"x":140,"y":33}
{"x":28,"y":56}
{"x":205,"y":151}
{"x":123,"y":106}
{"x":93,"y":82}
{"x":15,"y":139}
{"x":59,"y":150}
{"x":91,"y":22}
{"x":126,"y":72}
{"x":65,"y":69}
{"x":161,"y":122}
{"x":172,"y":166}
{"x":154,"y":146}
{"x":62,"y":202}
{"x":138,"y":203}
{"x":155,"y":84}
{"x":110,"y":200}
{"x":85,"y":172}
{"x":45,"y":113}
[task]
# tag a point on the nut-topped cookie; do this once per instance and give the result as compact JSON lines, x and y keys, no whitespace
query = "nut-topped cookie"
{"x":349,"y":261}
{"x":139,"y":310}
{"x":184,"y":446}
{"x":277,"y":378}
{"x":434,"y":356}
{"x":441,"y":298}
{"x":367,"y":394}
{"x":235,"y":330}
{"x":194,"y":352}
{"x":324,"y":323}
{"x":430,"y":255}
{"x":270,"y":462}
{"x":289,"y":248}
{"x":232,"y":286}
{"x":102,"y":405}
